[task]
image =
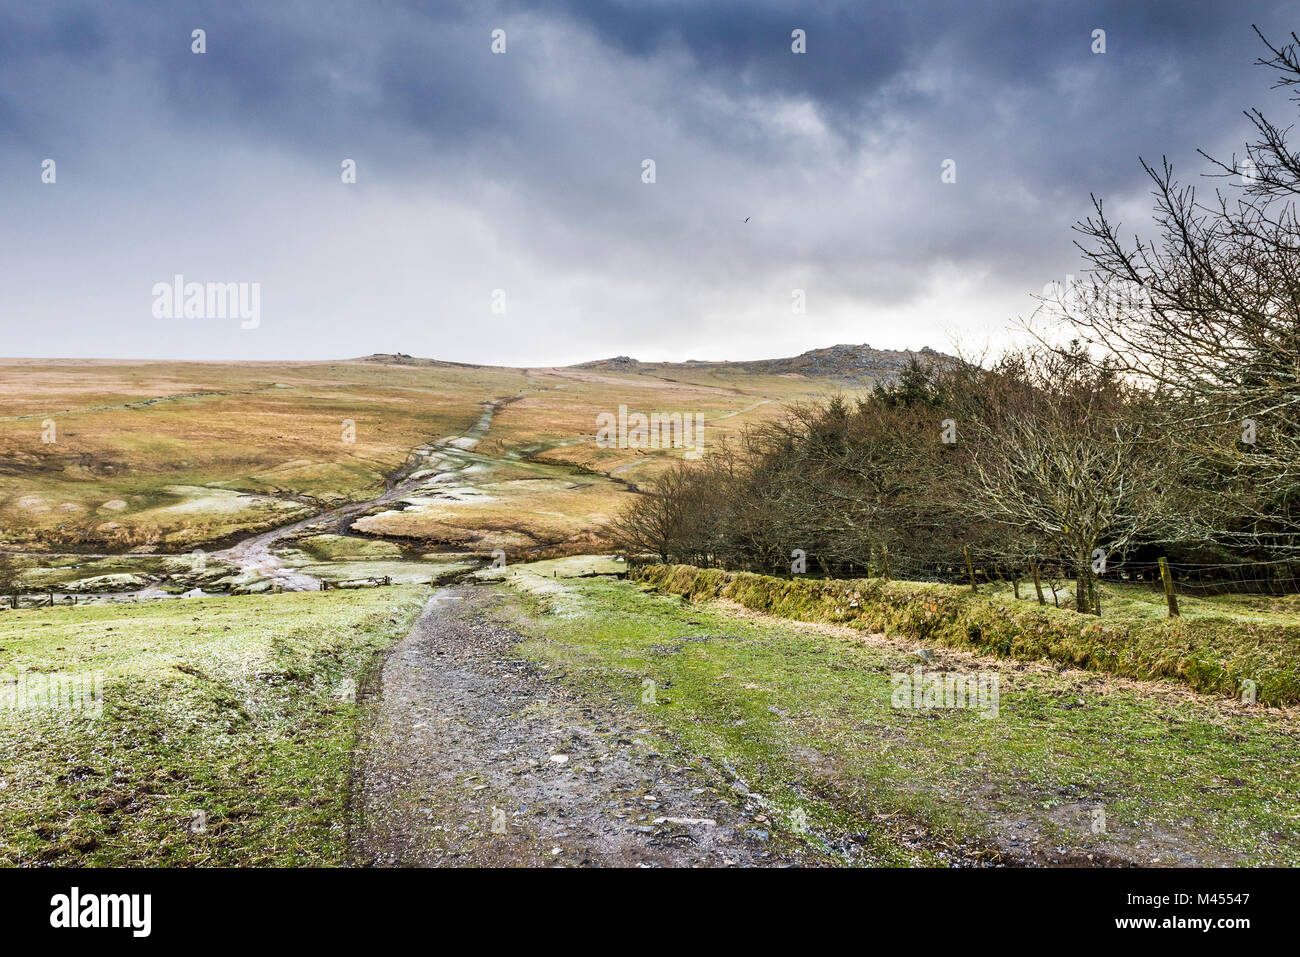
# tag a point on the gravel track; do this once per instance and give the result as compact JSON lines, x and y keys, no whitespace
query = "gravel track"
{"x":457,"y":728}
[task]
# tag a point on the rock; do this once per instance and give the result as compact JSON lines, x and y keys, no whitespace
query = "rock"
{"x":710,"y":822}
{"x":107,"y":583}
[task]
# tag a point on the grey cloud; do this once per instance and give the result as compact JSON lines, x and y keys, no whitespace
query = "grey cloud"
{"x":523,"y":170}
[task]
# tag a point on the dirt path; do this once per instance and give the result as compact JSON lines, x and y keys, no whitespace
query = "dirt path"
{"x":459,"y":733}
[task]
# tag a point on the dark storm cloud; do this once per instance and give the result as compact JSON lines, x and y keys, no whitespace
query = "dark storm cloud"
{"x":522,"y":171}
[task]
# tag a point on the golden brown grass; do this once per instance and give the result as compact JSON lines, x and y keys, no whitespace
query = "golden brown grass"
{"x":175,"y":455}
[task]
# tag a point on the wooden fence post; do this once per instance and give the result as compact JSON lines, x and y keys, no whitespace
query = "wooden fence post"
{"x":1167,"y":577}
{"x":970,"y":569}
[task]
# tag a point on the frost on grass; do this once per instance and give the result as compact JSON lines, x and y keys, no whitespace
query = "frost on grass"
{"x":242,"y":708}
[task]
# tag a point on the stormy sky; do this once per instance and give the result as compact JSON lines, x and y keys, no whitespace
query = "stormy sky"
{"x":522,"y":171}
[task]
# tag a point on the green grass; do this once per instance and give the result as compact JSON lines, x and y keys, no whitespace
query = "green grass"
{"x":805,"y":718}
{"x":1216,"y":654}
{"x":236,"y":707}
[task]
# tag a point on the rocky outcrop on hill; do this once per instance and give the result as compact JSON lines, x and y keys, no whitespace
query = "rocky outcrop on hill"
{"x":832,"y":362}
{"x":851,"y":362}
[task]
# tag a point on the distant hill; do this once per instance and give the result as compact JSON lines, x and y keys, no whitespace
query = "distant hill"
{"x":849,"y":362}
{"x":839,"y":361}
{"x":402,"y":359}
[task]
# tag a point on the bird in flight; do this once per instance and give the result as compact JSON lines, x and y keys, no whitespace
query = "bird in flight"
{"x":746,"y":219}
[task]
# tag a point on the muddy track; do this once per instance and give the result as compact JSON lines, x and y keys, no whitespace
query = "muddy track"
{"x":255,"y":553}
{"x":460,"y":735}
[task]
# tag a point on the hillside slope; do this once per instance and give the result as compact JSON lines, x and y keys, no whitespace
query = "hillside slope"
{"x":114,"y":455}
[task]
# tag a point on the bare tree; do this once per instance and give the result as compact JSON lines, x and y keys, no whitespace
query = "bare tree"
{"x":1059,"y":454}
{"x":1208,"y":316}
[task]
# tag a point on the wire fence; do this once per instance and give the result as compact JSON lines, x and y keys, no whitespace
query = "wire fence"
{"x":1250,"y":578}
{"x":1276,"y":578}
